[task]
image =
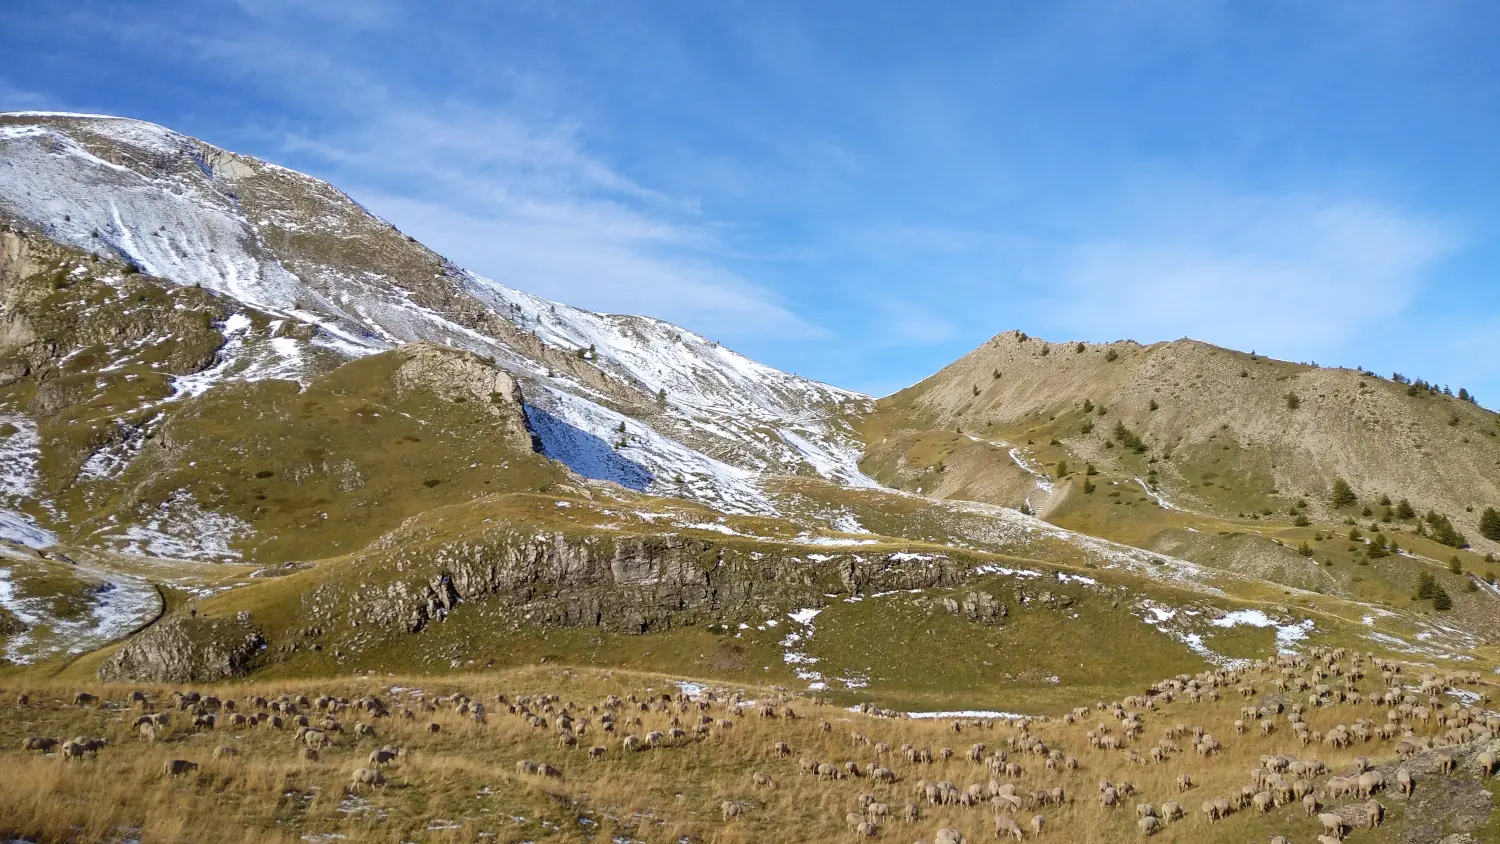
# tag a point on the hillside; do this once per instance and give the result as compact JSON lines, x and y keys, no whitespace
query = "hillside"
{"x":298,"y":250}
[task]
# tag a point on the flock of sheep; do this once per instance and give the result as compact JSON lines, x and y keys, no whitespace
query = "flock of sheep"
{"x":1028,"y":776}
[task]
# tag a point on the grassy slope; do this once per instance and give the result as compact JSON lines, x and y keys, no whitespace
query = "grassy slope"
{"x":461,"y":784}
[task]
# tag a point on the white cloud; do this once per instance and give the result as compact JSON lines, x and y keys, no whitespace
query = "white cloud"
{"x":1301,"y":275}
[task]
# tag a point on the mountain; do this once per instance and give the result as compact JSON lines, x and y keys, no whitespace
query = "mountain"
{"x":227,"y":391}
{"x":339,"y":283}
{"x":1200,"y":428}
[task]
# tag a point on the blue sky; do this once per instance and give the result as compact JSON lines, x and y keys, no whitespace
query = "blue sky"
{"x":862,"y":192}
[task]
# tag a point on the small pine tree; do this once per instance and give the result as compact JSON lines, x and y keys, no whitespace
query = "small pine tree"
{"x":1088,"y":469}
{"x":1454,"y":565}
{"x":1441,"y":601}
{"x":1087,"y":427}
{"x":1354,"y":534}
{"x":1153,"y":405}
{"x":1301,"y":520}
{"x":1304,"y":549}
{"x":661,"y":396}
{"x":1079,"y":348}
{"x":1062,"y":468}
{"x":1379,"y":547}
{"x":1489,"y":524}
{"x":1405,"y":511}
{"x":1293,"y":401}
{"x":1088,"y":406}
{"x":1444,"y":532}
{"x":1111,"y":355}
{"x":1427,"y":587}
{"x":1342,"y":495}
{"x":1088,"y":487}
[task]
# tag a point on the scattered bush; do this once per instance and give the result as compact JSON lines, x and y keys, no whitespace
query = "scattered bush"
{"x":1489,"y":524}
{"x":1444,"y":532}
{"x":1342,"y":495}
{"x":1111,"y":355}
{"x":1293,"y":401}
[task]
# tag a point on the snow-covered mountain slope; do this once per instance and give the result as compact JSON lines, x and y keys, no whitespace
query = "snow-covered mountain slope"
{"x":706,"y":420}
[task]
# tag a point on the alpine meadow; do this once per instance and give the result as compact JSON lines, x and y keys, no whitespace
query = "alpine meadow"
{"x":310,"y":533}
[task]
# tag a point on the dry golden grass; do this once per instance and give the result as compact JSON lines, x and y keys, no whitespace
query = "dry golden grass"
{"x":461,"y":784}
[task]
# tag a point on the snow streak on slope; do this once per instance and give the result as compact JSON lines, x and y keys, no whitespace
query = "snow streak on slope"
{"x":708,"y":391}
{"x":588,"y":438}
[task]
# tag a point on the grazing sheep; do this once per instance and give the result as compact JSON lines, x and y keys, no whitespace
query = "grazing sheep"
{"x":177,"y":767}
{"x":1006,"y":826}
{"x":381,"y":757}
{"x":365,"y":776}
{"x":762,"y":780}
{"x":434,"y":727}
{"x":1184,"y":783}
{"x":878,"y":810}
{"x":597,"y":751}
{"x":224,"y":751}
{"x":1404,"y":782}
{"x":42,"y":744}
{"x":730,"y":809}
{"x":1311,"y":805}
{"x":1262,"y":801}
{"x":85,"y":699}
{"x":1488,"y":762}
{"x":910,"y":813}
{"x":1374,"y":813}
{"x":1171,"y":811}
{"x":363,"y":731}
{"x":1145,"y":810}
{"x":1332,"y":823}
{"x":1148,"y":825}
{"x":865,"y":829}
{"x":1037,"y":822}
{"x":316,"y":738}
{"x":72,"y":750}
{"x":781,"y":749}
{"x":949,"y":835}
{"x":147,"y":731}
{"x":1370,"y":782}
{"x":23,"y":700}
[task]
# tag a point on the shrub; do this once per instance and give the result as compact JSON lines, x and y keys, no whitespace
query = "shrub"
{"x":1342,"y":495}
{"x":1128,"y":438}
{"x":1489,"y":524}
{"x":1304,"y":549}
{"x":1293,"y":401}
{"x":1441,"y":601}
{"x":1087,"y":427}
{"x":1078,"y":348}
{"x":1062,"y":468}
{"x":1301,"y":520}
{"x":1443,"y":530}
{"x":1454,"y":565}
{"x":1088,"y":487}
{"x":1153,"y":405}
{"x":1088,"y":469}
{"x":1427,"y":587}
{"x":1088,"y":406}
{"x":1405,"y":511}
{"x":1111,"y":355}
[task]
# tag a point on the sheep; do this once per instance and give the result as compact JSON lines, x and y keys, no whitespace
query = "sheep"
{"x":365,"y":776}
{"x":910,"y":813}
{"x":434,"y":727}
{"x":1171,"y":811}
{"x":865,"y":829}
{"x":72,"y":750}
{"x":878,"y":810}
{"x":729,"y":809}
{"x":1310,"y":805}
{"x":1333,"y":823}
{"x":1262,"y":801}
{"x":85,"y":699}
{"x":1148,"y":825}
{"x":224,"y":751}
{"x":781,"y":749}
{"x":1184,"y":783}
{"x":1374,"y":813}
{"x":147,"y":731}
{"x":1404,"y":782}
{"x":43,"y":744}
{"x":762,"y":780}
{"x":1005,"y":825}
{"x":1037,"y":822}
{"x":949,"y":835}
{"x":381,"y":757}
{"x":598,"y":751}
{"x":177,"y":767}
{"x":1488,"y":762}
{"x":316,"y":738}
{"x":1370,"y":782}
{"x":363,"y":731}
{"x":1145,"y":810}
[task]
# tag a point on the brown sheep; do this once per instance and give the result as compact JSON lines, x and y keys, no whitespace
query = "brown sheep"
{"x":177,"y":767}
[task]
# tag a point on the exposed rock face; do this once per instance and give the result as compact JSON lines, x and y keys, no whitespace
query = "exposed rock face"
{"x":186,"y":650}
{"x":623,"y":584}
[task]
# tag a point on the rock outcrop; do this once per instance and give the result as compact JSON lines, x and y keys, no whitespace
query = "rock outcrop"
{"x":628,"y":584}
{"x":187,"y":650}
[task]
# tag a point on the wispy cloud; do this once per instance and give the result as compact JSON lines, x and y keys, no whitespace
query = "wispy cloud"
{"x":1299,"y":274}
